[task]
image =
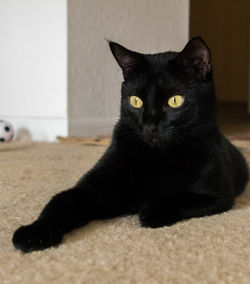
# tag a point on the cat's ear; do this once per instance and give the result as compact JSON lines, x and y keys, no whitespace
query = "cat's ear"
{"x":196,"y":57}
{"x":128,"y":60}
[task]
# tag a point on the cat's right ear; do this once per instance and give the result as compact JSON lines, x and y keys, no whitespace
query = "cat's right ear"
{"x":128,"y":60}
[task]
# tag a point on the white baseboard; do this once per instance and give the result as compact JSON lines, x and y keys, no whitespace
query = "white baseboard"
{"x":91,"y":126}
{"x":38,"y":129}
{"x":47,"y":128}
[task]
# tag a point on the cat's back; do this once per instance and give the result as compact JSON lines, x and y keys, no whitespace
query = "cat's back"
{"x":235,"y":165}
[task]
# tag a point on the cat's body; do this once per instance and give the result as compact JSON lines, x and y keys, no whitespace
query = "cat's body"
{"x":164,"y":163}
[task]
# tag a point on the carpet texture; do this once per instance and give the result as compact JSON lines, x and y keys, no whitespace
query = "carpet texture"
{"x":213,"y":249}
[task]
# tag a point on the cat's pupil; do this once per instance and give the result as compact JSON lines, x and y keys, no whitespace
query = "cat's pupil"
{"x":136,"y":101}
{"x":175,"y":100}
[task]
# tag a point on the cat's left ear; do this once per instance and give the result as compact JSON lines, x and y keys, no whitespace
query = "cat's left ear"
{"x":128,"y":60}
{"x":196,"y":57}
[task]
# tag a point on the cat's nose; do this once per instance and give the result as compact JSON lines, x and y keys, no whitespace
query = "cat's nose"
{"x":150,"y":133}
{"x":150,"y":129}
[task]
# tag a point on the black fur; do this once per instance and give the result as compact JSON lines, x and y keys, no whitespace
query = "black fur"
{"x":164,"y":164}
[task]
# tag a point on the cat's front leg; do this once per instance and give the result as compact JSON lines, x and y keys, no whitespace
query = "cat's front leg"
{"x":102,"y":193}
{"x":61,"y":214}
{"x":158,"y":214}
{"x":174,"y":209}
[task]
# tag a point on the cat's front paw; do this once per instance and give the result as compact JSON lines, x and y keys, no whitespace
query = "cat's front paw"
{"x":155,"y":216}
{"x":33,"y":237}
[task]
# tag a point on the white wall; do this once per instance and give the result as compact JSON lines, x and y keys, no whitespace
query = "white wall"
{"x":33,"y":66}
{"x":38,"y":49}
{"x":94,"y":77}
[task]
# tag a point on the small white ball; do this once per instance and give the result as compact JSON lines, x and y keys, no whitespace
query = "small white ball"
{"x":6,"y":131}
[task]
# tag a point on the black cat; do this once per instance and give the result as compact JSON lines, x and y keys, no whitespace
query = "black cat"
{"x":167,"y":160}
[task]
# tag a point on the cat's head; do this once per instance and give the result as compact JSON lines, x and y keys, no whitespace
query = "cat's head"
{"x":167,"y":96}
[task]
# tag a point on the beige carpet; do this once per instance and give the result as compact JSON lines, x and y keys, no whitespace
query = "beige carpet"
{"x":214,"y":249}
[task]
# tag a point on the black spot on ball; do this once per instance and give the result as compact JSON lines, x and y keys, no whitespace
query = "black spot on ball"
{"x":2,"y":139}
{"x":6,"y":128}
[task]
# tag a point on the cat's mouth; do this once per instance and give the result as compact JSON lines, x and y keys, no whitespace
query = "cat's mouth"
{"x":153,"y":141}
{"x":151,"y":135}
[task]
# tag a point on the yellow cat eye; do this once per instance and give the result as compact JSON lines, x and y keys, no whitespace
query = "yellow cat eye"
{"x":175,"y":101}
{"x":136,"y":102}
